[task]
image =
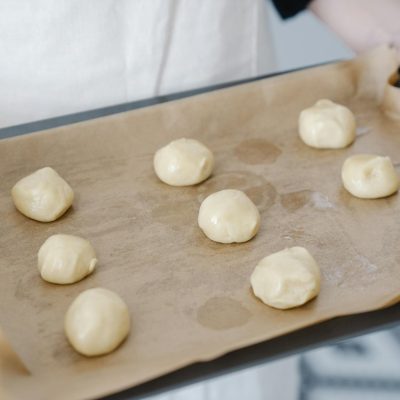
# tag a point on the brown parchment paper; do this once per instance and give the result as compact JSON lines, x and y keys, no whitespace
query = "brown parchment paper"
{"x":189,"y":297}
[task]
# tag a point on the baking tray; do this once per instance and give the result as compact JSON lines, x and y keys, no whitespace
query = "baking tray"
{"x":247,"y":154}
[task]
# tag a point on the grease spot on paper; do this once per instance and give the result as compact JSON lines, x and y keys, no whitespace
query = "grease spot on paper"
{"x":221,"y":313}
{"x":257,"y":151}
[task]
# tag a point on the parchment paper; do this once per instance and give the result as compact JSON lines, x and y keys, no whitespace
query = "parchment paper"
{"x":189,"y":297}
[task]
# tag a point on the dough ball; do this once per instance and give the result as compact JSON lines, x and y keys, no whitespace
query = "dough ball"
{"x":66,"y":259}
{"x":183,"y":162}
{"x":229,"y":216}
{"x":43,"y":195}
{"x":97,"y":322}
{"x":286,"y":279}
{"x":369,"y":176}
{"x":327,"y":125}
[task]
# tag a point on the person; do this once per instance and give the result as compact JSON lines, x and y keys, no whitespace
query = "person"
{"x":67,"y":56}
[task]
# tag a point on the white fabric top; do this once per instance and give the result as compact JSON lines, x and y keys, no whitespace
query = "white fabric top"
{"x":65,"y":56}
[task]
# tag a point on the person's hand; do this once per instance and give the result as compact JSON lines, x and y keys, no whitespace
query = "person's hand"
{"x":363,"y":24}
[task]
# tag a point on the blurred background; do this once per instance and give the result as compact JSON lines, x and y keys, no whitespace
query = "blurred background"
{"x":304,"y":40}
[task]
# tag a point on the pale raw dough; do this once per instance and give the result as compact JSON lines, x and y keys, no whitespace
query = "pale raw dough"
{"x":66,"y":259}
{"x":43,"y":195}
{"x":97,"y":322}
{"x":369,"y":176}
{"x":229,"y":216}
{"x":183,"y":162}
{"x":327,"y":125}
{"x":286,"y":279}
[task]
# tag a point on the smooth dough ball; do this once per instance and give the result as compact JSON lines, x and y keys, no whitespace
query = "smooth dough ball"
{"x":183,"y":162}
{"x":286,"y":279}
{"x":97,"y":322}
{"x":43,"y":195}
{"x":229,"y":216}
{"x":369,"y":176}
{"x":327,"y":125}
{"x":66,"y":259}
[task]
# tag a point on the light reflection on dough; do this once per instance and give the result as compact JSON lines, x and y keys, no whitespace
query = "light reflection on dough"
{"x":97,"y":322}
{"x":369,"y":176}
{"x":183,"y":162}
{"x":43,"y":195}
{"x":286,"y":279}
{"x":229,"y":216}
{"x":66,"y":259}
{"x":327,"y":125}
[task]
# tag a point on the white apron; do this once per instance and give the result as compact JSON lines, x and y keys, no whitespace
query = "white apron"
{"x":64,"y":56}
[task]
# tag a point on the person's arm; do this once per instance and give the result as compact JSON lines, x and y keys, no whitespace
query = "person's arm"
{"x":362,"y":24}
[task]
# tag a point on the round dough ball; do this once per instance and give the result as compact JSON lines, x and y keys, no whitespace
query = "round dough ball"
{"x":183,"y":162}
{"x":229,"y":216}
{"x":97,"y":322}
{"x":286,"y":279}
{"x":66,"y":259}
{"x":43,"y":195}
{"x":327,"y":125}
{"x":369,"y":176}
